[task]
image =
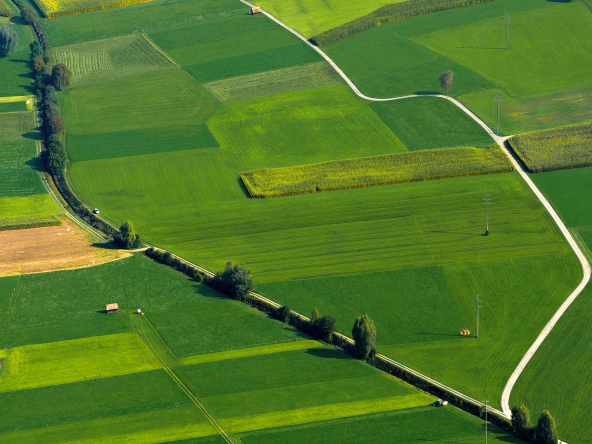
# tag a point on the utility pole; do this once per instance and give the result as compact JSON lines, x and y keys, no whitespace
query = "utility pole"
{"x":477,"y":305}
{"x":507,"y":16}
{"x":497,"y":99}
{"x":487,"y":200}
{"x":486,"y":421}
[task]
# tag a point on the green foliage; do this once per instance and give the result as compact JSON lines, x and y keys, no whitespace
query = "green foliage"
{"x":521,"y":422}
{"x":560,"y":148}
{"x":322,"y":327}
{"x":372,"y":171}
{"x":55,"y":158}
{"x":446,"y":80}
{"x":545,"y":431}
{"x":364,"y":335}
{"x":235,"y":281}
{"x":127,"y":237}
{"x":283,"y":314}
{"x":8,"y":40}
{"x":389,"y":13}
{"x":60,"y":76}
{"x":5,"y":10}
{"x":29,"y":15}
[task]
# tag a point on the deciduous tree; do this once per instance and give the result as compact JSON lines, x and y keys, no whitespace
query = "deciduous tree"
{"x":60,"y":76}
{"x":364,"y":334}
{"x":521,"y":422}
{"x":446,"y":80}
{"x":8,"y":40}
{"x":127,"y":236}
{"x":546,"y":430}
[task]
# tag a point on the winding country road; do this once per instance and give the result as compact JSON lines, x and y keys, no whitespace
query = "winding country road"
{"x":505,"y":401}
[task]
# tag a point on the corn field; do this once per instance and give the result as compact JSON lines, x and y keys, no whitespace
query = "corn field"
{"x":372,"y":171}
{"x":555,"y":149}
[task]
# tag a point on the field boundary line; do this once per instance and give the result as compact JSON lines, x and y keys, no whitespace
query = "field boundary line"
{"x":501,"y":141}
{"x":159,"y":49}
{"x":182,"y":385}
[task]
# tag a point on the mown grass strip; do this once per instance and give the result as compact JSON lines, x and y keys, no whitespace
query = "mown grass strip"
{"x":251,"y":351}
{"x":555,"y":149}
{"x":18,"y":223}
{"x":373,"y":171}
{"x":389,"y":13}
{"x":324,"y":413}
{"x":62,"y":362}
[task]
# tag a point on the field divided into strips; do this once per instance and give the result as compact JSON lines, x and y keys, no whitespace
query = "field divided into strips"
{"x":310,"y":76}
{"x":112,"y":58}
{"x":55,"y":8}
{"x":268,"y":375}
{"x":533,"y":97}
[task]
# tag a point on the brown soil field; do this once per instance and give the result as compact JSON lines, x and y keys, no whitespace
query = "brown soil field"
{"x":62,"y":247}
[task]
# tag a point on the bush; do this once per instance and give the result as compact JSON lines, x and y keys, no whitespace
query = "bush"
{"x":60,"y":76}
{"x":127,"y":237}
{"x":364,"y":335}
{"x":28,"y":15}
{"x":322,"y":327}
{"x":546,"y":431}
{"x":164,"y":257}
{"x":235,"y":281}
{"x":283,"y":314}
{"x":55,"y":160}
{"x":8,"y":40}
{"x":389,"y":13}
{"x":521,"y":422}
{"x":5,"y":11}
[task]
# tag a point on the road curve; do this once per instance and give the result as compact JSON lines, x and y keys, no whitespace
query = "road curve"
{"x":505,"y":401}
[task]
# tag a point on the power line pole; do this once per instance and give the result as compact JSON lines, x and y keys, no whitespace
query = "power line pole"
{"x":507,"y":16}
{"x":497,"y":99}
{"x":477,"y":306}
{"x":487,"y":200}
{"x":486,"y":421}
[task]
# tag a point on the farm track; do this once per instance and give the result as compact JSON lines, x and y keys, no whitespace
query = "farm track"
{"x":501,"y":142}
{"x":505,"y":401}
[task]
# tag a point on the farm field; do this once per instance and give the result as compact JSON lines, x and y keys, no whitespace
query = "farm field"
{"x":55,"y":8}
{"x":16,"y":76}
{"x":417,"y":54}
{"x":247,"y":388}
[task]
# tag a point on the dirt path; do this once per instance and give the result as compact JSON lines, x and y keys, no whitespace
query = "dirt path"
{"x":500,"y":141}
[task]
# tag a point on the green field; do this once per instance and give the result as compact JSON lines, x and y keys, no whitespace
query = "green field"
{"x":14,"y":69}
{"x":372,"y":171}
{"x":267,"y":377}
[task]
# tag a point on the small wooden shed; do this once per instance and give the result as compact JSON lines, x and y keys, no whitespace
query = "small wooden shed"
{"x":112,"y":308}
{"x":255,"y":10}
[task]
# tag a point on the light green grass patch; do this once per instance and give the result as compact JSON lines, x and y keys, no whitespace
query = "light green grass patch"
{"x":112,"y":58}
{"x":17,"y":223}
{"x":313,"y":75}
{"x":251,"y":351}
{"x":27,"y":208}
{"x":15,"y":124}
{"x":310,"y":17}
{"x":75,"y":360}
{"x":18,"y":169}
{"x":372,"y":171}
{"x":141,"y":428}
{"x":323,"y":413}
{"x":536,"y":59}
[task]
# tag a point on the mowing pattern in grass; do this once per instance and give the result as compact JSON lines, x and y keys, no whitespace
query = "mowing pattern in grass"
{"x":156,"y":112}
{"x":18,"y":162}
{"x":427,"y":123}
{"x":372,"y":171}
{"x":313,"y":75}
{"x":15,"y":70}
{"x":55,"y":8}
{"x":556,"y":149}
{"x":14,"y":125}
{"x":112,"y":58}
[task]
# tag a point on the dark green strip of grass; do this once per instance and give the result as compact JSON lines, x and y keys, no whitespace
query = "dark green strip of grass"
{"x":12,"y":106}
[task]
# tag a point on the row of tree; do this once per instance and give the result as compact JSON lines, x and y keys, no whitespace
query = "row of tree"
{"x":545,"y":431}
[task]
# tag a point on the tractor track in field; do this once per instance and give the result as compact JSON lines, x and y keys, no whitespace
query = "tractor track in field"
{"x":501,"y":141}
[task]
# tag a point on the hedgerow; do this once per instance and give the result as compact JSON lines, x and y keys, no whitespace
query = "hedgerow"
{"x":555,"y":149}
{"x":5,"y":10}
{"x":388,"y":13}
{"x":371,"y":171}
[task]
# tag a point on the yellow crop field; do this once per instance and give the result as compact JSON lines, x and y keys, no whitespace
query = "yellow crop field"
{"x":56,"y":8}
{"x":555,"y":149}
{"x":371,"y":171}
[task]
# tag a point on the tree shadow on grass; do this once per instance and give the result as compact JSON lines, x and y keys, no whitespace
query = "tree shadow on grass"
{"x":327,"y":353}
{"x":33,"y":163}
{"x":242,"y":186}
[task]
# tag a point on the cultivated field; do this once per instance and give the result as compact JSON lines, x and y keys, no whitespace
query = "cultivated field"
{"x":55,"y":8}
{"x":556,"y":149}
{"x":15,"y":73}
{"x":50,"y":248}
{"x":267,"y":375}
{"x":373,"y":171}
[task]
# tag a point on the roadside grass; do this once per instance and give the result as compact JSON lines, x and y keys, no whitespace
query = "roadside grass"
{"x":556,"y":149}
{"x":429,"y":123}
{"x":372,"y":171}
{"x":101,"y":60}
{"x":89,"y":400}
{"x":62,"y":362}
{"x":417,"y":425}
{"x":310,"y":17}
{"x":155,"y":112}
{"x":310,"y":76}
{"x":144,"y":17}
{"x":543,"y":385}
{"x":15,"y":69}
{"x":147,"y":428}
{"x":536,"y":60}
{"x":18,"y":168}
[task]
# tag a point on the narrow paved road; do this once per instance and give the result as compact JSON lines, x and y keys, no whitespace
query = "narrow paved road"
{"x":505,"y":401}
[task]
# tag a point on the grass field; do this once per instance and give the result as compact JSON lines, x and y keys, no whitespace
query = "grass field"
{"x":55,"y":8}
{"x":556,"y":149}
{"x":14,"y":69}
{"x":313,"y":75}
{"x":373,"y":171}
{"x":130,"y":55}
{"x":18,"y":167}
{"x":310,"y":17}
